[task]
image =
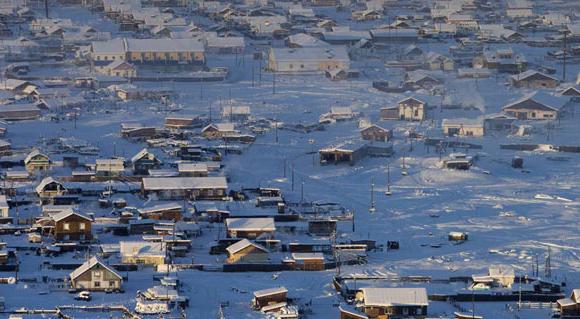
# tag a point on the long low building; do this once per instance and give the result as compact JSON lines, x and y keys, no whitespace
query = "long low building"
{"x":185,"y":187}
{"x":149,"y":51}
{"x":15,"y":112}
{"x":311,"y":59}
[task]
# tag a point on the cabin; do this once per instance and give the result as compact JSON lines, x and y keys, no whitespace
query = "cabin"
{"x":169,"y":211}
{"x":193,"y":169}
{"x":435,"y":61}
{"x":503,"y":60}
{"x":497,"y":276}
{"x":71,"y":226}
{"x":537,"y":106}
{"x":250,"y":228}
{"x":408,"y":109}
{"x":50,"y":188}
{"x":142,"y":252}
{"x":246,"y":252}
{"x":171,"y":188}
{"x":376,"y":133}
{"x":4,"y":208}
{"x":458,"y":161}
{"x":218,"y":130}
{"x":393,"y":302}
{"x":108,"y":167}
{"x":532,"y":79}
{"x":179,"y":122}
{"x":119,"y":68}
{"x":95,"y":275}
{"x":143,"y":161}
{"x":463,"y":127}
{"x":308,"y":59}
{"x":570,"y":307}
{"x":37,"y":161}
{"x":322,"y":227}
{"x":19,"y":112}
{"x":308,"y":261}
{"x":236,"y":113}
{"x":266,"y":297}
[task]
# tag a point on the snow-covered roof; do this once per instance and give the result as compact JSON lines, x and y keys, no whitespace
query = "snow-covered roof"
{"x":141,"y":248}
{"x":501,"y":271}
{"x":67,"y":213}
{"x":310,"y":54}
{"x":270,"y":291}
{"x":387,"y":297}
{"x":251,"y":224}
{"x":478,"y":122}
{"x":304,"y":40}
{"x":160,"y":207}
{"x":89,"y":264}
{"x":242,"y":244}
{"x":167,"y":183}
{"x":45,"y":181}
{"x":307,"y":256}
{"x":538,"y":100}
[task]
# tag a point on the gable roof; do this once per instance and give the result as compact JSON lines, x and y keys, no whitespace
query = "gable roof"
{"x":45,"y":181}
{"x":242,"y":244}
{"x":33,"y":154}
{"x":532,"y":74}
{"x":66,"y":213}
{"x":539,"y":101}
{"x":89,"y":264}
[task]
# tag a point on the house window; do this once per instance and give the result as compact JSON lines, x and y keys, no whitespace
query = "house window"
{"x":291,"y":66}
{"x":533,"y":114}
{"x":112,"y":283}
{"x":416,"y":112}
{"x":96,"y":273}
{"x":302,"y":66}
{"x":97,"y":284}
{"x":82,"y":226}
{"x":66,"y":226}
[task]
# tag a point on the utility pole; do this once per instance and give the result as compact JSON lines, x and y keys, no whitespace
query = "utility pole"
{"x":372,"y":209}
{"x":565,"y":54}
{"x":46,"y":8}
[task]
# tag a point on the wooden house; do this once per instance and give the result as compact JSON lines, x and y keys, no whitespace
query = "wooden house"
{"x":49,"y":188}
{"x":143,"y":252}
{"x":375,"y":133}
{"x":570,"y":307}
{"x":193,"y":169}
{"x":411,"y":109}
{"x":250,"y":227}
{"x":534,"y":80}
{"x":322,"y":227}
{"x":246,"y":252}
{"x":266,"y":297}
{"x":308,"y":59}
{"x":393,"y":302}
{"x":71,"y":226}
{"x":19,"y":112}
{"x":143,"y":161}
{"x":179,"y":122}
{"x":109,"y":167}
{"x":218,"y":130}
{"x":463,"y":127}
{"x":169,"y":211}
{"x":119,"y":68}
{"x":537,"y":106}
{"x":236,"y":113}
{"x":37,"y":161}
{"x":169,"y":188}
{"x":4,"y":208}
{"x":308,"y":261}
{"x":95,"y":275}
